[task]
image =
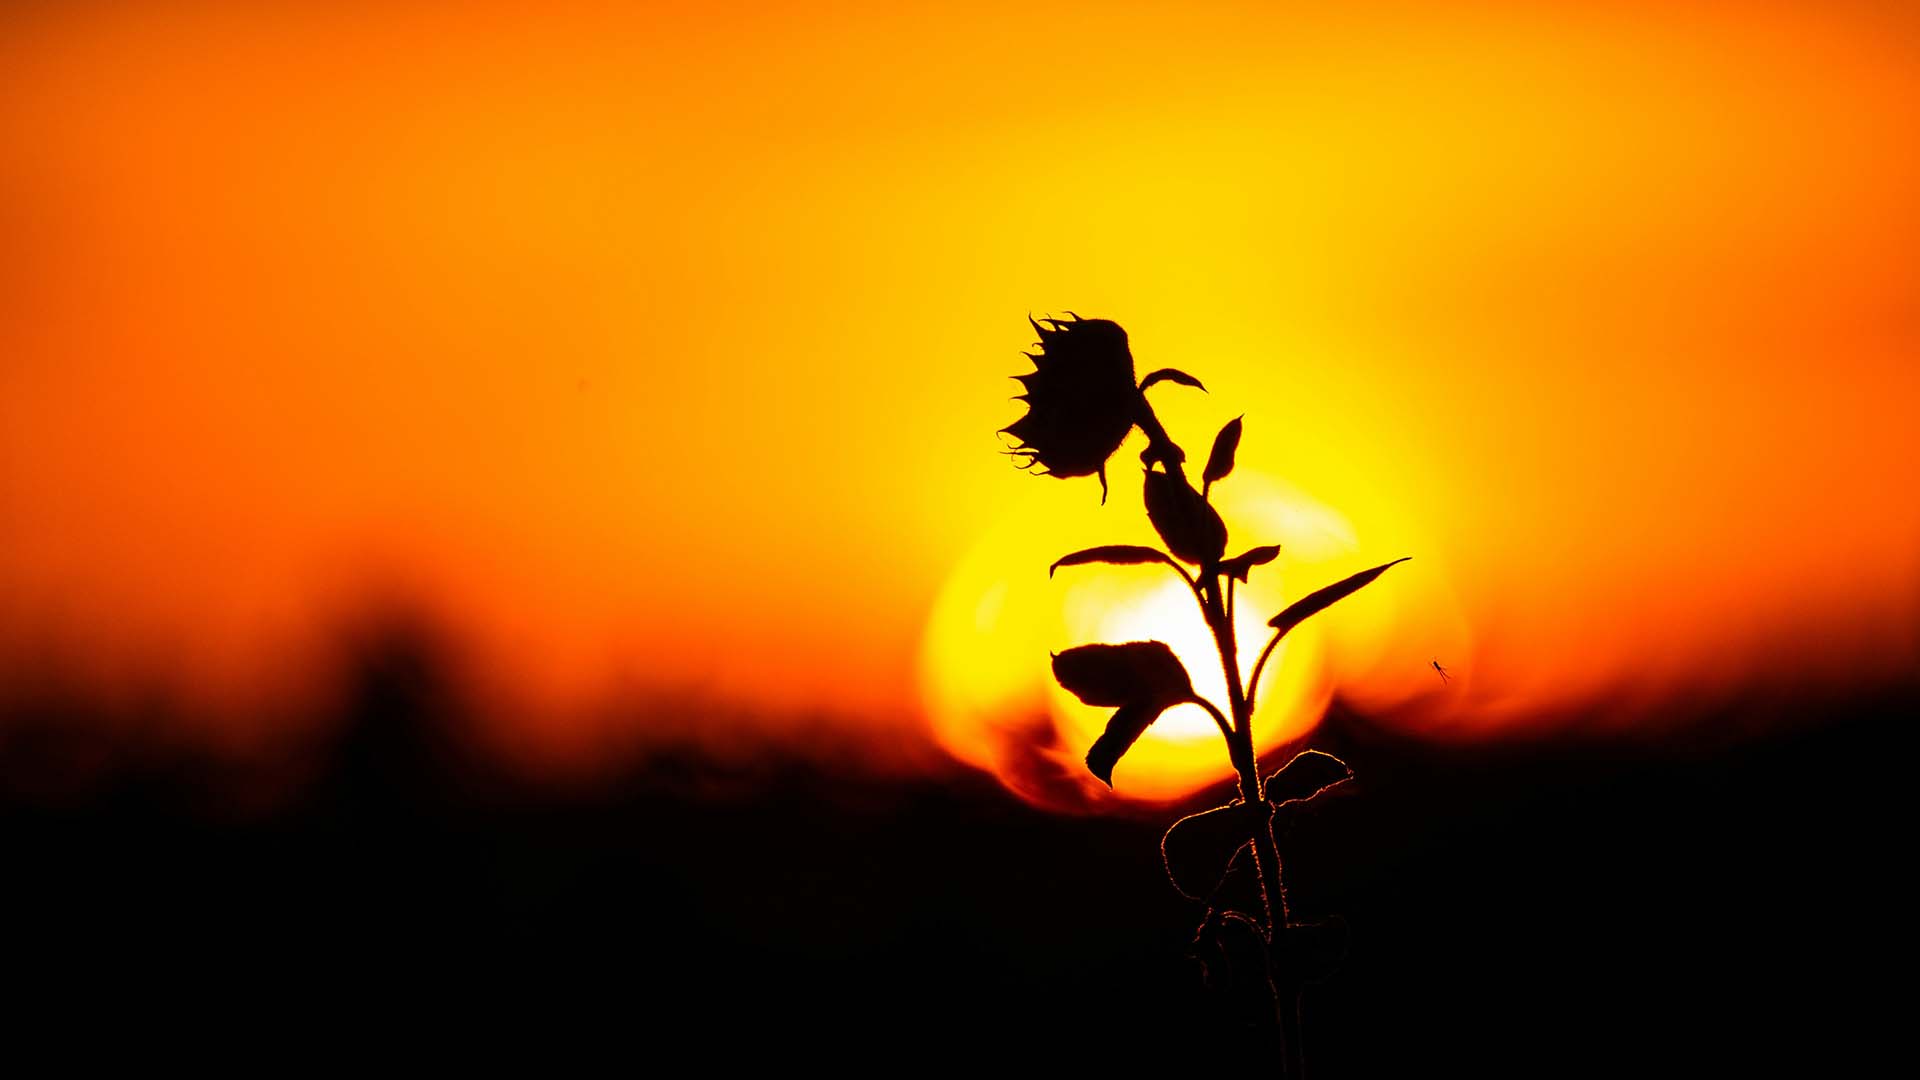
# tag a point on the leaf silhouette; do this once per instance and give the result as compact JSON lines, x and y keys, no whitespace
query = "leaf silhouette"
{"x":1315,"y":602}
{"x":1116,"y":554}
{"x":1173,"y":375}
{"x":1117,"y":674}
{"x":1190,"y":527}
{"x":1220,"y":461}
{"x":1308,"y":774}
{"x":1242,"y":564}
{"x":1141,"y":678}
{"x":1124,"y":728}
{"x":1198,"y":848}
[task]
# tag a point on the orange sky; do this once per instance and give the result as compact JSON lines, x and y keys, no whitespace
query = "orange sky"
{"x":663,"y":345}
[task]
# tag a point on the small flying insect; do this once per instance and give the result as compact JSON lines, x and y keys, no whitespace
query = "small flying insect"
{"x":1443,"y":672}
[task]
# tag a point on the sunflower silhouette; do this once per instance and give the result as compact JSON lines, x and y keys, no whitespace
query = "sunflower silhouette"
{"x":1082,"y":401}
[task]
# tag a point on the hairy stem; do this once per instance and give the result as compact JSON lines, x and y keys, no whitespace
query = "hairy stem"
{"x":1266,"y":853}
{"x":1240,"y":747}
{"x":1259,"y":665}
{"x":1216,"y":606}
{"x":1160,"y":445}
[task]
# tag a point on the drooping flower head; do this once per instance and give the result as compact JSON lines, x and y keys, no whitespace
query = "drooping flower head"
{"x":1081,"y":398}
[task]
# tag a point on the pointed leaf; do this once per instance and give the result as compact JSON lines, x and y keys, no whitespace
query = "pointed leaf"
{"x":1191,"y":529}
{"x":1308,"y":774}
{"x":1242,"y":564}
{"x":1198,"y":848}
{"x":1115,"y":554}
{"x":1173,"y":375}
{"x":1126,"y":726}
{"x":1142,"y":678}
{"x":1220,"y":461}
{"x":1315,"y":602}
{"x":1122,"y":674}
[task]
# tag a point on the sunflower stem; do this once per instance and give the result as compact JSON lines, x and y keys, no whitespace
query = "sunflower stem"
{"x":1259,"y":665}
{"x":1160,"y":445}
{"x":1245,"y":763}
{"x":1266,"y":854}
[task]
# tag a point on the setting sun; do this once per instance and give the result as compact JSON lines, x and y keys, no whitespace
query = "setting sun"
{"x":985,"y":675}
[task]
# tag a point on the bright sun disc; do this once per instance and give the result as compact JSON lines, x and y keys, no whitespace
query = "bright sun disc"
{"x":986,"y":678}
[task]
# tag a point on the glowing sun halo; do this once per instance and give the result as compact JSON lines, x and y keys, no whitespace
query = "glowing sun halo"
{"x":987,"y":687}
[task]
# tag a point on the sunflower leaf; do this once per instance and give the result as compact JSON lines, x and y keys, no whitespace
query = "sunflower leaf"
{"x":1315,"y":602}
{"x":1198,"y":848}
{"x":1242,"y":564}
{"x":1308,"y":774}
{"x":1118,"y":674}
{"x":1142,"y":679}
{"x":1173,"y":375}
{"x":1114,"y":554}
{"x":1220,"y":461}
{"x":1125,"y":727}
{"x":1191,"y":528}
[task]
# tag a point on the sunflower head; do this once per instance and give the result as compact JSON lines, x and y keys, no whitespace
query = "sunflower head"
{"x":1081,"y":398}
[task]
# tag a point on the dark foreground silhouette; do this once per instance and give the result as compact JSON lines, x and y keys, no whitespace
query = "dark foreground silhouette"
{"x":1521,"y":908}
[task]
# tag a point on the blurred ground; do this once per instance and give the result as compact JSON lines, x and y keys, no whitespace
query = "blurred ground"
{"x":1520,"y":908}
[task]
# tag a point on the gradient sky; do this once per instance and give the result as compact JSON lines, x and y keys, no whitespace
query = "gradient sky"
{"x":662,"y":346}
